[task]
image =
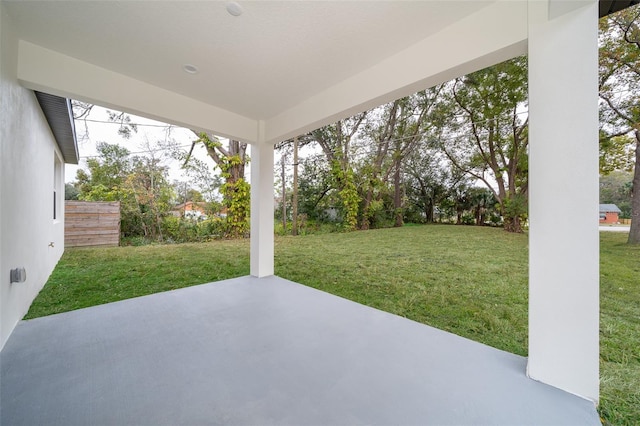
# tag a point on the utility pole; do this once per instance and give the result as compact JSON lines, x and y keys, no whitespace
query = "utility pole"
{"x":184,"y":205}
{"x":284,"y":192}
{"x":294,"y":202}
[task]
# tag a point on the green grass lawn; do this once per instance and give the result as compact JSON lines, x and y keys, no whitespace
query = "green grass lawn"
{"x":468,"y":280}
{"x":619,"y":329}
{"x":92,"y":276}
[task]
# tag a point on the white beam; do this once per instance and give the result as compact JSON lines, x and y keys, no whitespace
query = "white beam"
{"x":558,"y":8}
{"x":563,"y":206}
{"x":52,"y":72}
{"x":494,"y":34}
{"x":262,"y":243}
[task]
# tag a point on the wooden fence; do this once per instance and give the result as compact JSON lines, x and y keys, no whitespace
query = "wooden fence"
{"x":89,"y":223}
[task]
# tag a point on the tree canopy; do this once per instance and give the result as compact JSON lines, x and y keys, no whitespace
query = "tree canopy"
{"x":620,"y":106}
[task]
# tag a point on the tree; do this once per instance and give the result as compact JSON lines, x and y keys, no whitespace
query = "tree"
{"x":415,"y":119}
{"x":294,"y":201}
{"x":615,"y":188}
{"x":82,"y":111}
{"x":70,"y":192}
{"x":481,"y":201}
{"x":283,"y":197}
{"x":194,"y":195}
{"x":620,"y":92}
{"x":455,"y":202}
{"x":148,"y":196}
{"x":616,"y":153}
{"x":490,"y":136}
{"x":235,"y":191}
{"x":426,"y":180}
{"x":400,"y":128}
{"x":335,"y":141}
{"x":316,"y":192}
{"x":380,"y":136}
{"x":197,"y":174}
{"x":139,"y":183}
{"x":106,"y":173}
{"x":461,"y":200}
{"x":290,"y":148}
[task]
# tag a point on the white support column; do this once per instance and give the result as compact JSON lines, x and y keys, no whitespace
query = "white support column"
{"x":261,"y":210}
{"x":563,"y":204}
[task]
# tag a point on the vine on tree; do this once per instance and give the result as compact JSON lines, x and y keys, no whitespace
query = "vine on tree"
{"x":348,"y":193}
{"x":236,"y":191}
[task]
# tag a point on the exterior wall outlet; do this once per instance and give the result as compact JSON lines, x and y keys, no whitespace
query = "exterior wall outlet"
{"x":18,"y":275}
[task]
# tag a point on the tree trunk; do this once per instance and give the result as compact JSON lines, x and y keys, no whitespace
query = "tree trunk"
{"x":397,"y":196}
{"x":513,"y":224}
{"x":428,"y":197}
{"x":377,"y":165}
{"x":235,"y":216}
{"x":428,"y":212}
{"x":365,"y":211}
{"x":236,"y":148}
{"x":284,"y":195}
{"x":294,"y":202}
{"x":634,"y":233}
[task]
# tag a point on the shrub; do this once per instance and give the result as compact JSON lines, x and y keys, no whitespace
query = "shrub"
{"x":185,"y":230}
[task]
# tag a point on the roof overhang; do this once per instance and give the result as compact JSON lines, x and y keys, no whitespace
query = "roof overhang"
{"x":279,"y":70}
{"x":59,"y":115}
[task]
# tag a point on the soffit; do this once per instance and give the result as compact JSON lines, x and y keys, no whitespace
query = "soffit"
{"x":59,"y":115}
{"x":269,"y":59}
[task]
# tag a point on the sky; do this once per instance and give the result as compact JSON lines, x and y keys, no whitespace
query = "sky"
{"x":150,"y":135}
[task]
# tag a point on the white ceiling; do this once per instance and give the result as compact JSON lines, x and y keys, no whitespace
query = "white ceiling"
{"x":266,"y":61}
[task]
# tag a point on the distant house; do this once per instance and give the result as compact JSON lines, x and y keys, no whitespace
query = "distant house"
{"x":195,"y":210}
{"x":190,"y":209}
{"x":609,"y":213}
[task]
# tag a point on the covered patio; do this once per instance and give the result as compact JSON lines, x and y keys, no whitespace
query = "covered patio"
{"x":264,"y":351}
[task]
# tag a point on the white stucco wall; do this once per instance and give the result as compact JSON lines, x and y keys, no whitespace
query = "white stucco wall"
{"x":27,"y":153}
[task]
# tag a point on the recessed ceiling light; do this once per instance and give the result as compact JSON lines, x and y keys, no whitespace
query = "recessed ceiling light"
{"x":191,"y":69}
{"x":234,"y":8}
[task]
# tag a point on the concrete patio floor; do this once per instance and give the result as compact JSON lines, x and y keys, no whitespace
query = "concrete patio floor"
{"x":251,"y":351}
